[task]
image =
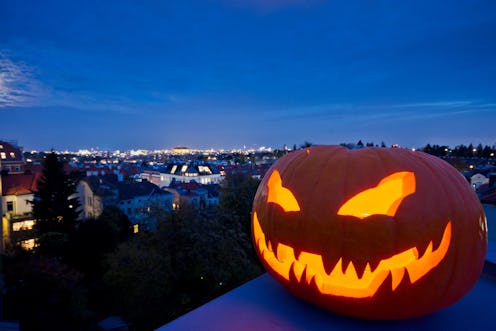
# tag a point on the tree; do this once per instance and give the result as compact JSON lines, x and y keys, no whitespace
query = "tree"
{"x":54,"y":205}
{"x":189,"y":260}
{"x":94,"y":238}
{"x":44,"y":293}
{"x":306,"y":144}
{"x":236,"y":198}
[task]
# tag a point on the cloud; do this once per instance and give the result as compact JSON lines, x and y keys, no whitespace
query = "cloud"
{"x":355,"y":113}
{"x":24,"y":85}
{"x":18,"y":86}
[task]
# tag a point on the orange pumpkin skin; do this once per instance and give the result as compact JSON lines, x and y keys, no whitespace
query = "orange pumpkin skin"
{"x":373,"y":233}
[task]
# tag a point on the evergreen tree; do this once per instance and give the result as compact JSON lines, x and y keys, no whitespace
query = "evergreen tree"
{"x":54,"y":205}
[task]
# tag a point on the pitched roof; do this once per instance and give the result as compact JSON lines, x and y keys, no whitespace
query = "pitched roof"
{"x":102,"y":185}
{"x":185,"y":186}
{"x":18,"y":184}
{"x":109,"y":185}
{"x":10,"y":153}
{"x":130,"y":190}
{"x":180,"y":169}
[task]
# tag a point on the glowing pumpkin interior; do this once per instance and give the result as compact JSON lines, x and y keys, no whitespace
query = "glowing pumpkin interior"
{"x":384,"y":198}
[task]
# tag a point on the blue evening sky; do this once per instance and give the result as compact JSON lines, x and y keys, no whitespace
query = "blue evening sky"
{"x":227,"y":73}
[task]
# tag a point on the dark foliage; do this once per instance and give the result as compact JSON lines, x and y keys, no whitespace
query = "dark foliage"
{"x":236,"y":198}
{"x":95,"y":238}
{"x":43,"y":293}
{"x":462,"y":151}
{"x":188,"y":261}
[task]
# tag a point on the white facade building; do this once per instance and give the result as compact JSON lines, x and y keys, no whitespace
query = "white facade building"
{"x":200,"y":173}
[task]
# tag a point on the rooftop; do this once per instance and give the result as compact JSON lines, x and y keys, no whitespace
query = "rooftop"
{"x":18,"y":184}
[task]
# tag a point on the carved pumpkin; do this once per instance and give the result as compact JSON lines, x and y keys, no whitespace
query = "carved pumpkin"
{"x":374,"y":233}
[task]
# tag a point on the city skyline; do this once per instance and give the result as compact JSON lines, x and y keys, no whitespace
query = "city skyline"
{"x":233,"y":73}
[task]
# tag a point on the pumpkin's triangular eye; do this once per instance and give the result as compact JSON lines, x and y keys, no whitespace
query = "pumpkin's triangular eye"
{"x":383,"y":199}
{"x":280,"y":195}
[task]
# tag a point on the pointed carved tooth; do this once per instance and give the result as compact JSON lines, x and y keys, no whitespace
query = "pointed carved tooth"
{"x":351,"y":272}
{"x":374,"y":265}
{"x":298,"y":269}
{"x":309,"y":274}
{"x":360,"y":268}
{"x":277,"y":249}
{"x":345,"y":263}
{"x":397,"y":276}
{"x":367,"y":272}
{"x":415,"y":252}
{"x":428,"y":251}
{"x":297,"y":252}
{"x":269,"y":246}
{"x":338,"y":269}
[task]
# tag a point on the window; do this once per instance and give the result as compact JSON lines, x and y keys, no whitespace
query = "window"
{"x":17,"y":168}
{"x":135,"y":228}
{"x":12,"y":155}
{"x":23,"y":225}
{"x":10,"y":206}
{"x":28,"y":244}
{"x":2,"y":155}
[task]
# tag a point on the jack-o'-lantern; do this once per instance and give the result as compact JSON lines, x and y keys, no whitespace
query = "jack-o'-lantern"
{"x":374,"y":233}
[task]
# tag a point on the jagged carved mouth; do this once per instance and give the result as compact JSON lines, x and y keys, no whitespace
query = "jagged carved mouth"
{"x":308,"y":267}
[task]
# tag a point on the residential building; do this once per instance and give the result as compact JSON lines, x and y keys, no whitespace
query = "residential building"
{"x":11,"y":158}
{"x":190,"y":194}
{"x":478,"y":180}
{"x":202,"y":173}
{"x":17,"y":192}
{"x":142,"y":202}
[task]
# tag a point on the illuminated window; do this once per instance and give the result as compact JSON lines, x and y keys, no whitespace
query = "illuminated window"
{"x":184,"y":168}
{"x":174,"y":168}
{"x":135,"y":228}
{"x":12,"y":155}
{"x":28,"y":244}
{"x":2,"y":155}
{"x":23,"y":226}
